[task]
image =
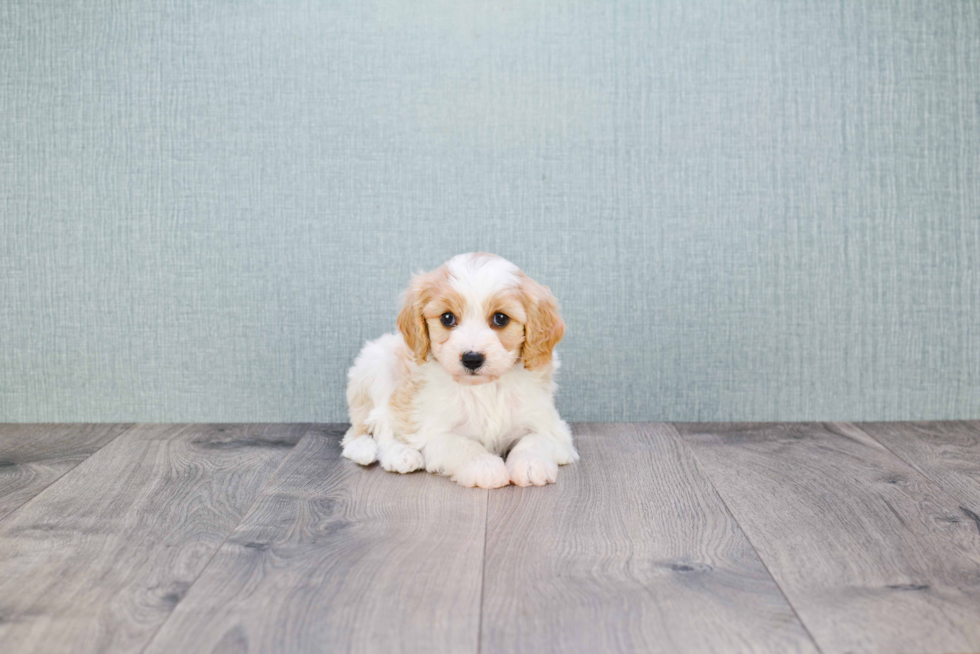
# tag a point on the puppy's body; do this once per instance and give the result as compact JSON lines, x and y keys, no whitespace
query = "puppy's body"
{"x":411,"y":410}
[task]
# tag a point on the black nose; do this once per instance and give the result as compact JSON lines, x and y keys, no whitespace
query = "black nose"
{"x":472,"y":360}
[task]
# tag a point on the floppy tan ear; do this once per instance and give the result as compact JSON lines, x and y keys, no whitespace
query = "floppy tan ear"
{"x":544,"y":328}
{"x":411,"y":322}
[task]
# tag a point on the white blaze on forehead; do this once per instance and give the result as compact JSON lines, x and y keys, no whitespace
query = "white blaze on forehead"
{"x":479,"y":276}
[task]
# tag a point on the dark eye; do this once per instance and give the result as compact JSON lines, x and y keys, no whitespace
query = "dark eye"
{"x":501,"y":319}
{"x":448,"y":319}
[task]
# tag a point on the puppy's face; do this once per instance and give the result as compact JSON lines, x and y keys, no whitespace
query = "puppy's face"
{"x":478,"y":315}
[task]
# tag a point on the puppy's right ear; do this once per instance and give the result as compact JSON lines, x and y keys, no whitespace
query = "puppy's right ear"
{"x":411,"y":322}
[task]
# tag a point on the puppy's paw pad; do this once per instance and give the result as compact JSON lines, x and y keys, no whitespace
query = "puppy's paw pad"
{"x":403,"y":461}
{"x":362,"y":450}
{"x":484,"y":472}
{"x":531,"y":471}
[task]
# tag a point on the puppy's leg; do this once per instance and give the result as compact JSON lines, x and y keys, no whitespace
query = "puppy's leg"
{"x":358,"y":444}
{"x":464,"y":461}
{"x":359,"y":448}
{"x":394,"y":455}
{"x":398,"y":457}
{"x":371,"y":381}
{"x":534,"y":460}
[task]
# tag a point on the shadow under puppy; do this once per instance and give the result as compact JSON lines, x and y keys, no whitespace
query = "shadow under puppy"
{"x":468,"y":378}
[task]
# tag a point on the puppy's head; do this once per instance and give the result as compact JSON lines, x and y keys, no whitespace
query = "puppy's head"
{"x":478,"y":315}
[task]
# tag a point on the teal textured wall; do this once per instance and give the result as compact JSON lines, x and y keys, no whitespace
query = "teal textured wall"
{"x":750,"y":210}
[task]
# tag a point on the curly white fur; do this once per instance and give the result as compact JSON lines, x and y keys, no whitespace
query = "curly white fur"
{"x":413,"y":403}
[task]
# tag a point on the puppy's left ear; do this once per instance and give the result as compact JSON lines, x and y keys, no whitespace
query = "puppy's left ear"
{"x":544,"y":328}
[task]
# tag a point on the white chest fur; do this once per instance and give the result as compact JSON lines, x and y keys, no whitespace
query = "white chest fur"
{"x":494,"y":414}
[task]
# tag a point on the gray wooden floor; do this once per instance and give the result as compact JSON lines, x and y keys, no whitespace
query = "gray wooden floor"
{"x":672,"y":538}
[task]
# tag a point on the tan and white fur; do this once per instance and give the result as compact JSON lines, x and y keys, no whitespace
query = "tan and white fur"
{"x":415,"y":403}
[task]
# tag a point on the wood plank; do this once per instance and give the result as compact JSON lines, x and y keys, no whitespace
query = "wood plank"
{"x":32,"y":457}
{"x":98,"y":561}
{"x":948,"y":453}
{"x":334,"y":557}
{"x":873,"y":556}
{"x":630,"y":551}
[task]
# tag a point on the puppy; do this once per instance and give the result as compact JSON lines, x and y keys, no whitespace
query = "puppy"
{"x":468,"y":379}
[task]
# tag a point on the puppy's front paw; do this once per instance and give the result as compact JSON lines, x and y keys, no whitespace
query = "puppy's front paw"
{"x":531,"y":469}
{"x":396,"y":457}
{"x":484,"y":471}
{"x":362,"y":450}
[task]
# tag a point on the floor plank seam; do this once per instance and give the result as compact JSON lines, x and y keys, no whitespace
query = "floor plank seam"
{"x":71,"y":470}
{"x":483,"y":575}
{"x":936,"y":483}
{"x":173,"y":609}
{"x":857,"y":425}
{"x":728,"y":509}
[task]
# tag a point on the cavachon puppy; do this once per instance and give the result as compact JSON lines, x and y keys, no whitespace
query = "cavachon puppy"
{"x":468,"y":379}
